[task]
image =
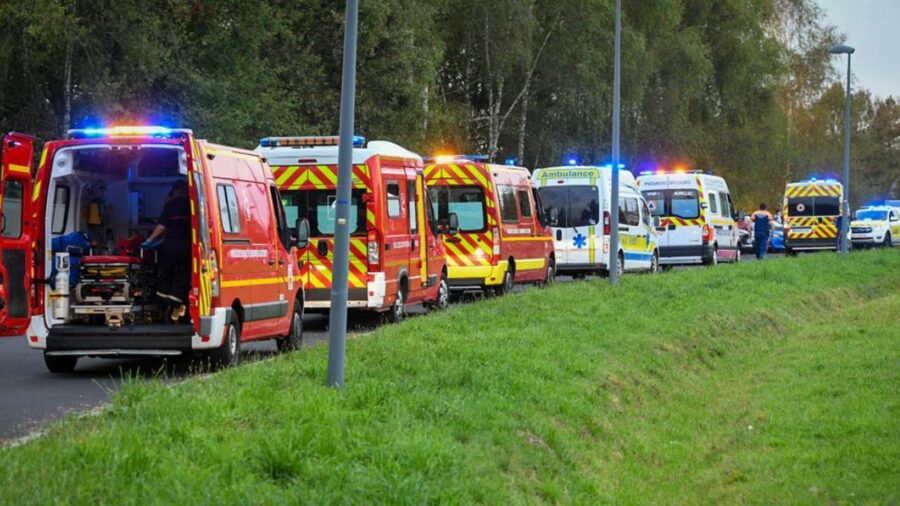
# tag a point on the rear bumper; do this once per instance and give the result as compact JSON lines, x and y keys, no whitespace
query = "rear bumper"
{"x":693,"y":254}
{"x":136,"y":340}
{"x":810,"y":244}
{"x":370,"y":297}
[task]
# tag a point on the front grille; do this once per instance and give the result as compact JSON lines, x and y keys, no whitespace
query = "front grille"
{"x":861,"y":230}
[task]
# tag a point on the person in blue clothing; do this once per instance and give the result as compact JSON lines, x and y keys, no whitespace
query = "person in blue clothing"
{"x":762,"y":229}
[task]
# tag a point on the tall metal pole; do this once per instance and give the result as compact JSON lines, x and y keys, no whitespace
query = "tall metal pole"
{"x":845,"y":220}
{"x":337,"y":319}
{"x":614,"y":199}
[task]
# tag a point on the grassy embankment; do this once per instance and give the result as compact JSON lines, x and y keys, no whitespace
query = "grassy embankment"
{"x":764,"y":382}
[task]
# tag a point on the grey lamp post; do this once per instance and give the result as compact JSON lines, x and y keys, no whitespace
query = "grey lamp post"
{"x":845,"y":220}
{"x":614,"y":192}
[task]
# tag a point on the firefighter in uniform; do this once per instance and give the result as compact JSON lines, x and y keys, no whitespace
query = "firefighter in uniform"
{"x":762,"y":227}
{"x":174,"y":280}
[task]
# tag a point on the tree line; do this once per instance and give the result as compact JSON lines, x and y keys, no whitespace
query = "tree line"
{"x":745,"y":88}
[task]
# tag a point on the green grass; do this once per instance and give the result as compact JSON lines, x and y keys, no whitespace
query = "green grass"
{"x":769,"y":382}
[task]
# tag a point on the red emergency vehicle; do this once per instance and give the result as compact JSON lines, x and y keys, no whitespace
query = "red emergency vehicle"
{"x":502,"y":237}
{"x":81,"y":284}
{"x":396,"y":258}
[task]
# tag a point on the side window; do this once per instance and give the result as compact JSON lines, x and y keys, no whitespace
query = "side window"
{"x":508,"y":212}
{"x":714,"y":203}
{"x":12,"y":209}
{"x":60,"y":210}
{"x":645,"y":214}
{"x":632,"y":214}
{"x":393,"y":199}
{"x":623,"y":213}
{"x":280,"y":218}
{"x":411,"y":197}
{"x":228,"y":209}
{"x":524,"y":204}
{"x":727,"y":208}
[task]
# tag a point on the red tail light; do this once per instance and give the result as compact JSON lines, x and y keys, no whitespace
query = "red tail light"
{"x":707,"y":233}
{"x":607,"y":221}
{"x":373,"y":251}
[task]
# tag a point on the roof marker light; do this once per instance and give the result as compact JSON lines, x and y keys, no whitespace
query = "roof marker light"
{"x":308,"y":141}
{"x":573,"y":161}
{"x":127,"y":131}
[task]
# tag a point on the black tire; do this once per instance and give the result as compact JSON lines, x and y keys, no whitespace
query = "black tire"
{"x":508,"y":282}
{"x":713,"y":260}
{"x":790,"y":252}
{"x":443,"y":296}
{"x":294,"y":340}
{"x":887,"y":241}
{"x":397,"y":311}
{"x":620,"y":265}
{"x":737,"y":256}
{"x":551,"y":273}
{"x":654,"y":263}
{"x":60,"y":365}
{"x":229,"y":354}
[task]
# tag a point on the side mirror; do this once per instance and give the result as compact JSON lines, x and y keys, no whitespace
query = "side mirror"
{"x":894,"y":217}
{"x":301,"y":233}
{"x":453,"y":224}
{"x":656,"y":221}
{"x":704,"y":205}
{"x":554,"y":216}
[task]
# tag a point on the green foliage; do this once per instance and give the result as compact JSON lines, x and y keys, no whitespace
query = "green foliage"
{"x":739,"y":86}
{"x":755,"y":383}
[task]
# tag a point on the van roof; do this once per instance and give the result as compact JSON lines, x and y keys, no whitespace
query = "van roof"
{"x":328,"y":155}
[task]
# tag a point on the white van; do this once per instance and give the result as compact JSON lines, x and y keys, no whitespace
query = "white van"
{"x":578,"y":198}
{"x":697,"y":220}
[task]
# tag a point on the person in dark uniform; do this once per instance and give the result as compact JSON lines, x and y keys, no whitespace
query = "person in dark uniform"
{"x":762,"y":228}
{"x":174,"y":281}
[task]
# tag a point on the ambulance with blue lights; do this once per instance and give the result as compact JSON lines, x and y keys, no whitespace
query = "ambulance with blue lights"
{"x":578,"y":201}
{"x":812,"y":212}
{"x":396,"y":256}
{"x":81,"y":278}
{"x":697,"y":221}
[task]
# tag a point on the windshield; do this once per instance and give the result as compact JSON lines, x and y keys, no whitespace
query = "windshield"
{"x":576,"y":205}
{"x":318,"y":206}
{"x":684,"y":204}
{"x":871,"y":215}
{"x":466,"y":201}
{"x":656,"y":202}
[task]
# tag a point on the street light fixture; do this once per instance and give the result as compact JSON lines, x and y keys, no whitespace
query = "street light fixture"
{"x":845,"y":219}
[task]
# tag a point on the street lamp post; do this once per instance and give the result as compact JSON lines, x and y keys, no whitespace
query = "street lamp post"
{"x":845,"y":219}
{"x":337,"y":318}
{"x":614,"y":197}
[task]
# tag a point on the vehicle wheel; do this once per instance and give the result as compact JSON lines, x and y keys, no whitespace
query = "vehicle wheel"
{"x":654,"y":263}
{"x":666,"y":268}
{"x":64,"y":364}
{"x":789,"y":252}
{"x":396,"y":313}
{"x":551,"y":273}
{"x":294,"y":340}
{"x":887,"y":240}
{"x":507,"y":285}
{"x":229,"y":354}
{"x":714,"y":261}
{"x":443,"y":296}
{"x":737,"y":256}
{"x":620,"y":265}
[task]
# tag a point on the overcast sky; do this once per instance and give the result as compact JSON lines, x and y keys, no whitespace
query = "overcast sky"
{"x":873,"y":28}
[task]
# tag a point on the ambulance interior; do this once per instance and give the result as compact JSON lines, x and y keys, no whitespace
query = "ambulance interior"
{"x":103,"y":202}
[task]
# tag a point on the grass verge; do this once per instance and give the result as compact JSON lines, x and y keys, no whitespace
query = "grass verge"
{"x":764,"y":382}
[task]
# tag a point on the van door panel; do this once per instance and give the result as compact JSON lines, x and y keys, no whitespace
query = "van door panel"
{"x":16,"y":160}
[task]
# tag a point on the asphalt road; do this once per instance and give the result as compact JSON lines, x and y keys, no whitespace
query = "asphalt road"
{"x":31,"y":397}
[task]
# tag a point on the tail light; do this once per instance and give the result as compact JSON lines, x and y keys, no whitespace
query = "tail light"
{"x":374,"y":255}
{"x":495,"y":239}
{"x":607,"y":223}
{"x":707,"y":233}
{"x":214,"y":276}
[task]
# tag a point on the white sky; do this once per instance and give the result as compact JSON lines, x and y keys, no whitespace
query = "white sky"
{"x":873,"y":28}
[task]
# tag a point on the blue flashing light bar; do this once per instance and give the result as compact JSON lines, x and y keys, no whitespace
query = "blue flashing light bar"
{"x":128,"y":131}
{"x":572,"y":161}
{"x":308,"y":141}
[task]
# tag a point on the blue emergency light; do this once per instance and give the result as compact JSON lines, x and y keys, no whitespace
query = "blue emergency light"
{"x":127,"y":131}
{"x":308,"y":141}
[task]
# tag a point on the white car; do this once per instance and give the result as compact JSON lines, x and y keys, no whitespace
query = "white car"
{"x":875,"y":226}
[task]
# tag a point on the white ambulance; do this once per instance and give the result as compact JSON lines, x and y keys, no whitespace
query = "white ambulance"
{"x":697,"y":219}
{"x":577,"y":200}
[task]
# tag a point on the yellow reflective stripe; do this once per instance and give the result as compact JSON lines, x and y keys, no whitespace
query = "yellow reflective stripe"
{"x":23,"y":169}
{"x":256,"y":282}
{"x":529,"y":264}
{"x":522,"y":239}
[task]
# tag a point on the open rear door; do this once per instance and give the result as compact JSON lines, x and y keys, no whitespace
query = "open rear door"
{"x":16,"y":158}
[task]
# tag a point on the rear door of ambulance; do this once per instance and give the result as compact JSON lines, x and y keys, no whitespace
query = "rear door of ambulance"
{"x":16,"y":159}
{"x":685,"y":222}
{"x":468,"y":191}
{"x":656,"y":204}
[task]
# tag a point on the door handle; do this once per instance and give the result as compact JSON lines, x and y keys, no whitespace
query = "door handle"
{"x":671,"y":227}
{"x":559,"y":235}
{"x":271,"y":262}
{"x":623,"y":229}
{"x":281,"y":262}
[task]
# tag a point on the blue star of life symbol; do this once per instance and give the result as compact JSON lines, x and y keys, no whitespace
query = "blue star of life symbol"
{"x":580,"y":241}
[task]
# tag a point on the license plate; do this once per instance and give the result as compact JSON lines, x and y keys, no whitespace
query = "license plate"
{"x":801,"y":230}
